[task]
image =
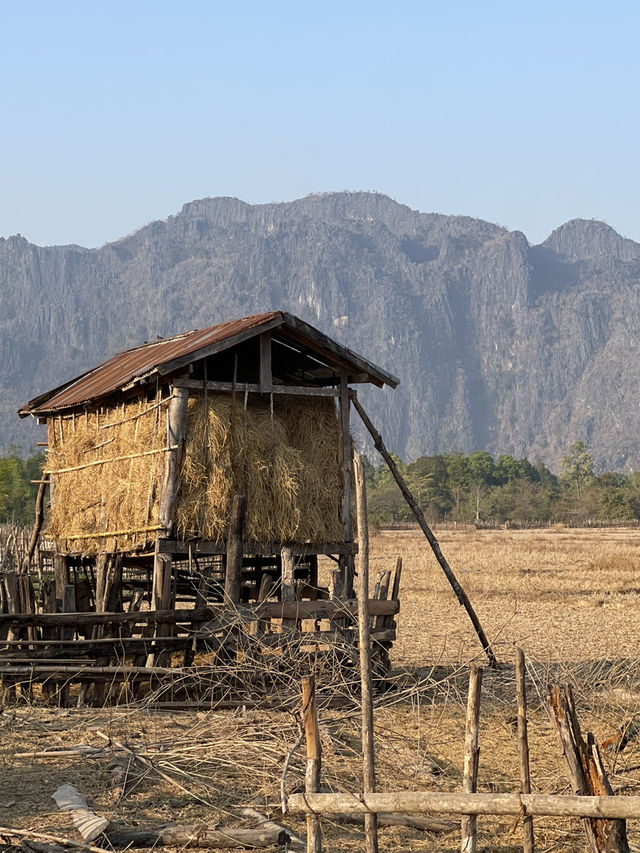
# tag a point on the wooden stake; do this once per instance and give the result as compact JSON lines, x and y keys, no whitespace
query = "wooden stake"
{"x":431,"y":539}
{"x":364,"y":635}
{"x":471,"y":755}
{"x":314,"y":759}
{"x":523,"y":747}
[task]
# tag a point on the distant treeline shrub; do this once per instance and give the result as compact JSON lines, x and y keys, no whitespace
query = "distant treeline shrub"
{"x":17,"y":492}
{"x":479,"y":489}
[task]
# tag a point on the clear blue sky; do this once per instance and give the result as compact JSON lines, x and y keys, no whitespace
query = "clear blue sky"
{"x":116,"y":113}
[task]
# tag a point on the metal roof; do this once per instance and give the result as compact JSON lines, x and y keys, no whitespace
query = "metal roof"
{"x":163,"y":357}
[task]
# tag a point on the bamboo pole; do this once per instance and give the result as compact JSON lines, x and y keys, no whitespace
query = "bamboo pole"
{"x":437,"y":802}
{"x":469,"y":835}
{"x":433,"y":542}
{"x":364,"y":634}
{"x":314,"y":759}
{"x":523,"y":748}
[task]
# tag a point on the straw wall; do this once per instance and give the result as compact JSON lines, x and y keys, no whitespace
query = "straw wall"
{"x":287,"y":465}
{"x":106,"y":468}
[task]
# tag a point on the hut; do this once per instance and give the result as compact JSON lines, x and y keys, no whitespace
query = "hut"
{"x":207,"y":469}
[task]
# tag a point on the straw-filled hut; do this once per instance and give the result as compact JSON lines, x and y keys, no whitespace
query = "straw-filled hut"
{"x":183,"y":467}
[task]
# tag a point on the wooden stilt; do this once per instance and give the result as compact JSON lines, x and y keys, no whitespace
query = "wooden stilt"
{"x":235,"y":550}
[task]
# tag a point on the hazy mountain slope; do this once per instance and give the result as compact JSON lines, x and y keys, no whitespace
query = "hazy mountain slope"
{"x":498,"y":344}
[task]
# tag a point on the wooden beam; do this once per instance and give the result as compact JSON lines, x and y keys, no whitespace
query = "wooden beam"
{"x":321,"y":609}
{"x":204,"y":548}
{"x":197,"y":386}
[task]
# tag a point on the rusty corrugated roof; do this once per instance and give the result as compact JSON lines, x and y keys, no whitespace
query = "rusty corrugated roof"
{"x":163,"y":356}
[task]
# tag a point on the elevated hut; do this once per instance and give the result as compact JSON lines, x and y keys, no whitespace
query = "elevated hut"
{"x":211,"y":467}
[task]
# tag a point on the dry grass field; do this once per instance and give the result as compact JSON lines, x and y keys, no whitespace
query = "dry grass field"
{"x":569,"y":598}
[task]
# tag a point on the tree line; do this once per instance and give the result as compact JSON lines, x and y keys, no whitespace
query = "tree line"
{"x":478,"y":489}
{"x":473,"y":488}
{"x":17,"y":491}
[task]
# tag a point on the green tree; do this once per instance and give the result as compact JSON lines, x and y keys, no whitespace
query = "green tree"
{"x":577,"y":466}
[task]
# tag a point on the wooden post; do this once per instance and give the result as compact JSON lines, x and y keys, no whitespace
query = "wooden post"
{"x":314,"y":759}
{"x":61,"y":574}
{"x":585,"y":771}
{"x":176,"y":433}
{"x":177,"y":413}
{"x":364,"y":635}
{"x":346,"y":560}
{"x":431,"y":539}
{"x":523,"y":747}
{"x":471,"y":755}
{"x":288,"y":588}
{"x":265,"y":362}
{"x":235,"y":550}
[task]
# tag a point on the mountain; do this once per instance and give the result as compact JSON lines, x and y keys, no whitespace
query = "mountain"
{"x":498,"y":344}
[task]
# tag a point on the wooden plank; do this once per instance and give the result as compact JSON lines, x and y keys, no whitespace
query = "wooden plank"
{"x":198,"y":387}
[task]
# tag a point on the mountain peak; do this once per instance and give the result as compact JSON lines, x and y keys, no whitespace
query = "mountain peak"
{"x":591,"y":239}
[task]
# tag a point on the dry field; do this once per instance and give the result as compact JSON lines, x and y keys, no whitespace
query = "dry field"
{"x":569,"y":598}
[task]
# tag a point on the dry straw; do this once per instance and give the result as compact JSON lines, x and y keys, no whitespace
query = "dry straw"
{"x":286,"y":463}
{"x":106,"y":468}
{"x":114,"y":501}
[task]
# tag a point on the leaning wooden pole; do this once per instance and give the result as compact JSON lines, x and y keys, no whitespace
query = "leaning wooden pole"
{"x":461,"y":595}
{"x":364,"y":634}
{"x":523,"y":748}
{"x":37,"y":527}
{"x":314,"y":759}
{"x":469,"y":835}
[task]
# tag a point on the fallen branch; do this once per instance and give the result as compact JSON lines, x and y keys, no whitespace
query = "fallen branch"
{"x":197,"y":836}
{"x":54,"y":839}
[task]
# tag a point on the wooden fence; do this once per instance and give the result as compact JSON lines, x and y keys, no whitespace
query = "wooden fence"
{"x":603,"y":814}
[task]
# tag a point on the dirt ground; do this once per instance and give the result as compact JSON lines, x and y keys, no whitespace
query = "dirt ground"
{"x":569,"y":598}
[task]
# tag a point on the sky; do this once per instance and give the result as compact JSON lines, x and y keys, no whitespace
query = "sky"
{"x":114,"y":114}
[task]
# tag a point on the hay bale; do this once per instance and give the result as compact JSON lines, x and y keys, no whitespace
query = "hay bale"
{"x":117,"y":496}
{"x":287,"y":466}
